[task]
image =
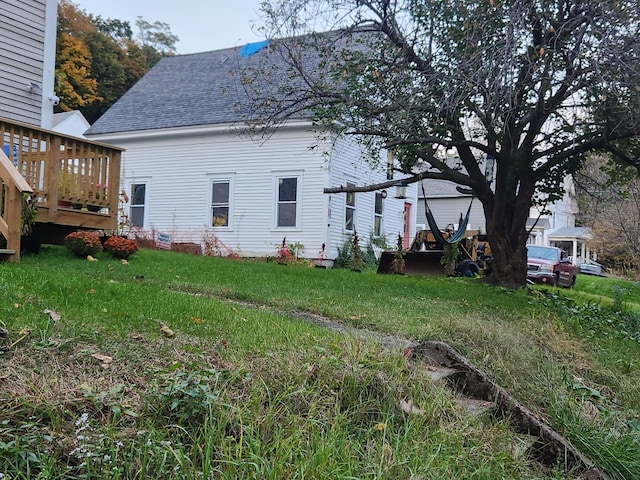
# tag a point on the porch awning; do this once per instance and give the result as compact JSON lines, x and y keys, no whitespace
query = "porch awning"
{"x":570,"y":233}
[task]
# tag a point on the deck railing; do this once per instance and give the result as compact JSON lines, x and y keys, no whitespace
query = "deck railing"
{"x":74,"y":181}
{"x":12,"y":186}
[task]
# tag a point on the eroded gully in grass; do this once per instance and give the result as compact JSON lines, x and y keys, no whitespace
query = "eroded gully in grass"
{"x":472,"y":388}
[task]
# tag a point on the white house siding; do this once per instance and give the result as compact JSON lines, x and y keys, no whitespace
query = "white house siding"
{"x":178,"y":166}
{"x":178,"y":171}
{"x":348,"y":165}
{"x":447,"y":210}
{"x":70,"y":123}
{"x":562,"y":213}
{"x":27,"y":54}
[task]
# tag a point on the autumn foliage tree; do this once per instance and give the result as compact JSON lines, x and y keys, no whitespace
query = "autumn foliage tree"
{"x":97,"y":59}
{"x":533,"y":84}
{"x":75,"y":87}
{"x":610,"y":205}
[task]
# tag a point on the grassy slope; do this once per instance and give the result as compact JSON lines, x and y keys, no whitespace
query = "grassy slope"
{"x":254,"y":392}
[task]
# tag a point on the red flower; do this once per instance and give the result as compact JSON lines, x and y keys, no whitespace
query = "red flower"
{"x":120,"y":247}
{"x":83,"y":243}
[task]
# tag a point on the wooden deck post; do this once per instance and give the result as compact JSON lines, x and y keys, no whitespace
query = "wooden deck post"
{"x":14,"y":222}
{"x":53,"y":172}
{"x":113,"y":193}
{"x":11,"y":223}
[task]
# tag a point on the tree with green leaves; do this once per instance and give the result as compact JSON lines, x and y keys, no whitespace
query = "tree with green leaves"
{"x":533,"y":84}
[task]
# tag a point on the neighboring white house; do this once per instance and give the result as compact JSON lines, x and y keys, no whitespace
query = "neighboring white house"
{"x":27,"y":60}
{"x":189,"y":173}
{"x":556,"y":227}
{"x":70,"y":123}
{"x":447,"y":206}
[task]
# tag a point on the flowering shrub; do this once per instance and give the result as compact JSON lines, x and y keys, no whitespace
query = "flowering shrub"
{"x":83,"y":243}
{"x":285,"y":255}
{"x":120,"y":247}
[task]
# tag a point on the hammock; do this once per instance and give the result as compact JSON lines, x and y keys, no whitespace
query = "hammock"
{"x":437,"y":234}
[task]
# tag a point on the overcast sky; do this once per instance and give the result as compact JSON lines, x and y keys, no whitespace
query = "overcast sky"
{"x":202,"y":25}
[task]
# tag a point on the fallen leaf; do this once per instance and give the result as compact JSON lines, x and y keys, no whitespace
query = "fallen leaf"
{"x":124,"y":262}
{"x":4,"y":375}
{"x":197,"y":320}
{"x":25,"y":331}
{"x":55,"y":316}
{"x":380,"y":426}
{"x":409,"y":408}
{"x":102,"y":358}
{"x":17,"y":305}
{"x":312,"y":369}
{"x":91,"y":259}
{"x":166,"y":331}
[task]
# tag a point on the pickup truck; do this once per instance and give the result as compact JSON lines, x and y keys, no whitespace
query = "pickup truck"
{"x":550,"y":265}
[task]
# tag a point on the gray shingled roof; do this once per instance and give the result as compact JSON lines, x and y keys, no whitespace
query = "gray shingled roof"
{"x":541,"y":223}
{"x":439,"y":188}
{"x":203,"y":88}
{"x":179,"y":91}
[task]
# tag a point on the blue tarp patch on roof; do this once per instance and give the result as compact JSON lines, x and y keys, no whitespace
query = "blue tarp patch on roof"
{"x":251,"y":48}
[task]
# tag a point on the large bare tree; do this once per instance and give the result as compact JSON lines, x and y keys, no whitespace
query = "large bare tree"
{"x":535,"y":85}
{"x":609,"y":202}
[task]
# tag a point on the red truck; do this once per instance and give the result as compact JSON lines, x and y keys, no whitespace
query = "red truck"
{"x":550,"y":265}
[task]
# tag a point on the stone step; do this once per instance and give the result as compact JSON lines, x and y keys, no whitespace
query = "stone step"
{"x":7,"y":251}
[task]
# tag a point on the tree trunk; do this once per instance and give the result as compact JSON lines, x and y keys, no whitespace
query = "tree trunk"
{"x":509,"y":261}
{"x":507,"y":233}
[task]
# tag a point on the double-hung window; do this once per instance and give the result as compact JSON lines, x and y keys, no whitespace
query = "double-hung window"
{"x":220,"y":203}
{"x":138,"y":200}
{"x":287,"y":204}
{"x":350,"y":210}
{"x":377,"y":215}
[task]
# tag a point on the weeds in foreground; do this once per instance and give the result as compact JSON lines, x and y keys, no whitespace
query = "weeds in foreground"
{"x":246,"y":389}
{"x":591,"y":319}
{"x":317,"y":413}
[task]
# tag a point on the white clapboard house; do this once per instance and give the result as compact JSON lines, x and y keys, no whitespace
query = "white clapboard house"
{"x":190,"y":174}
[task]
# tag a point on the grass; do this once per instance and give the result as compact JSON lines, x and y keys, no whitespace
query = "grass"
{"x":247,"y":388}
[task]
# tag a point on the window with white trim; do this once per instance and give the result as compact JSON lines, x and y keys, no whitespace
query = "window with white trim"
{"x":350,"y":209}
{"x":377,"y":215}
{"x":220,"y":203}
{"x":287,"y":202}
{"x":138,"y":201}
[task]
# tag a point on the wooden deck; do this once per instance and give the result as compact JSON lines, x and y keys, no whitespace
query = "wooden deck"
{"x":73,"y":182}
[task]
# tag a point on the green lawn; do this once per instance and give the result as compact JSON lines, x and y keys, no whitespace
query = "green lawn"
{"x":176,"y":366}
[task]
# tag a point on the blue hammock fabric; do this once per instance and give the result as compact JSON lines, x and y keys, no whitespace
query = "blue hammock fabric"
{"x":437,"y":234}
